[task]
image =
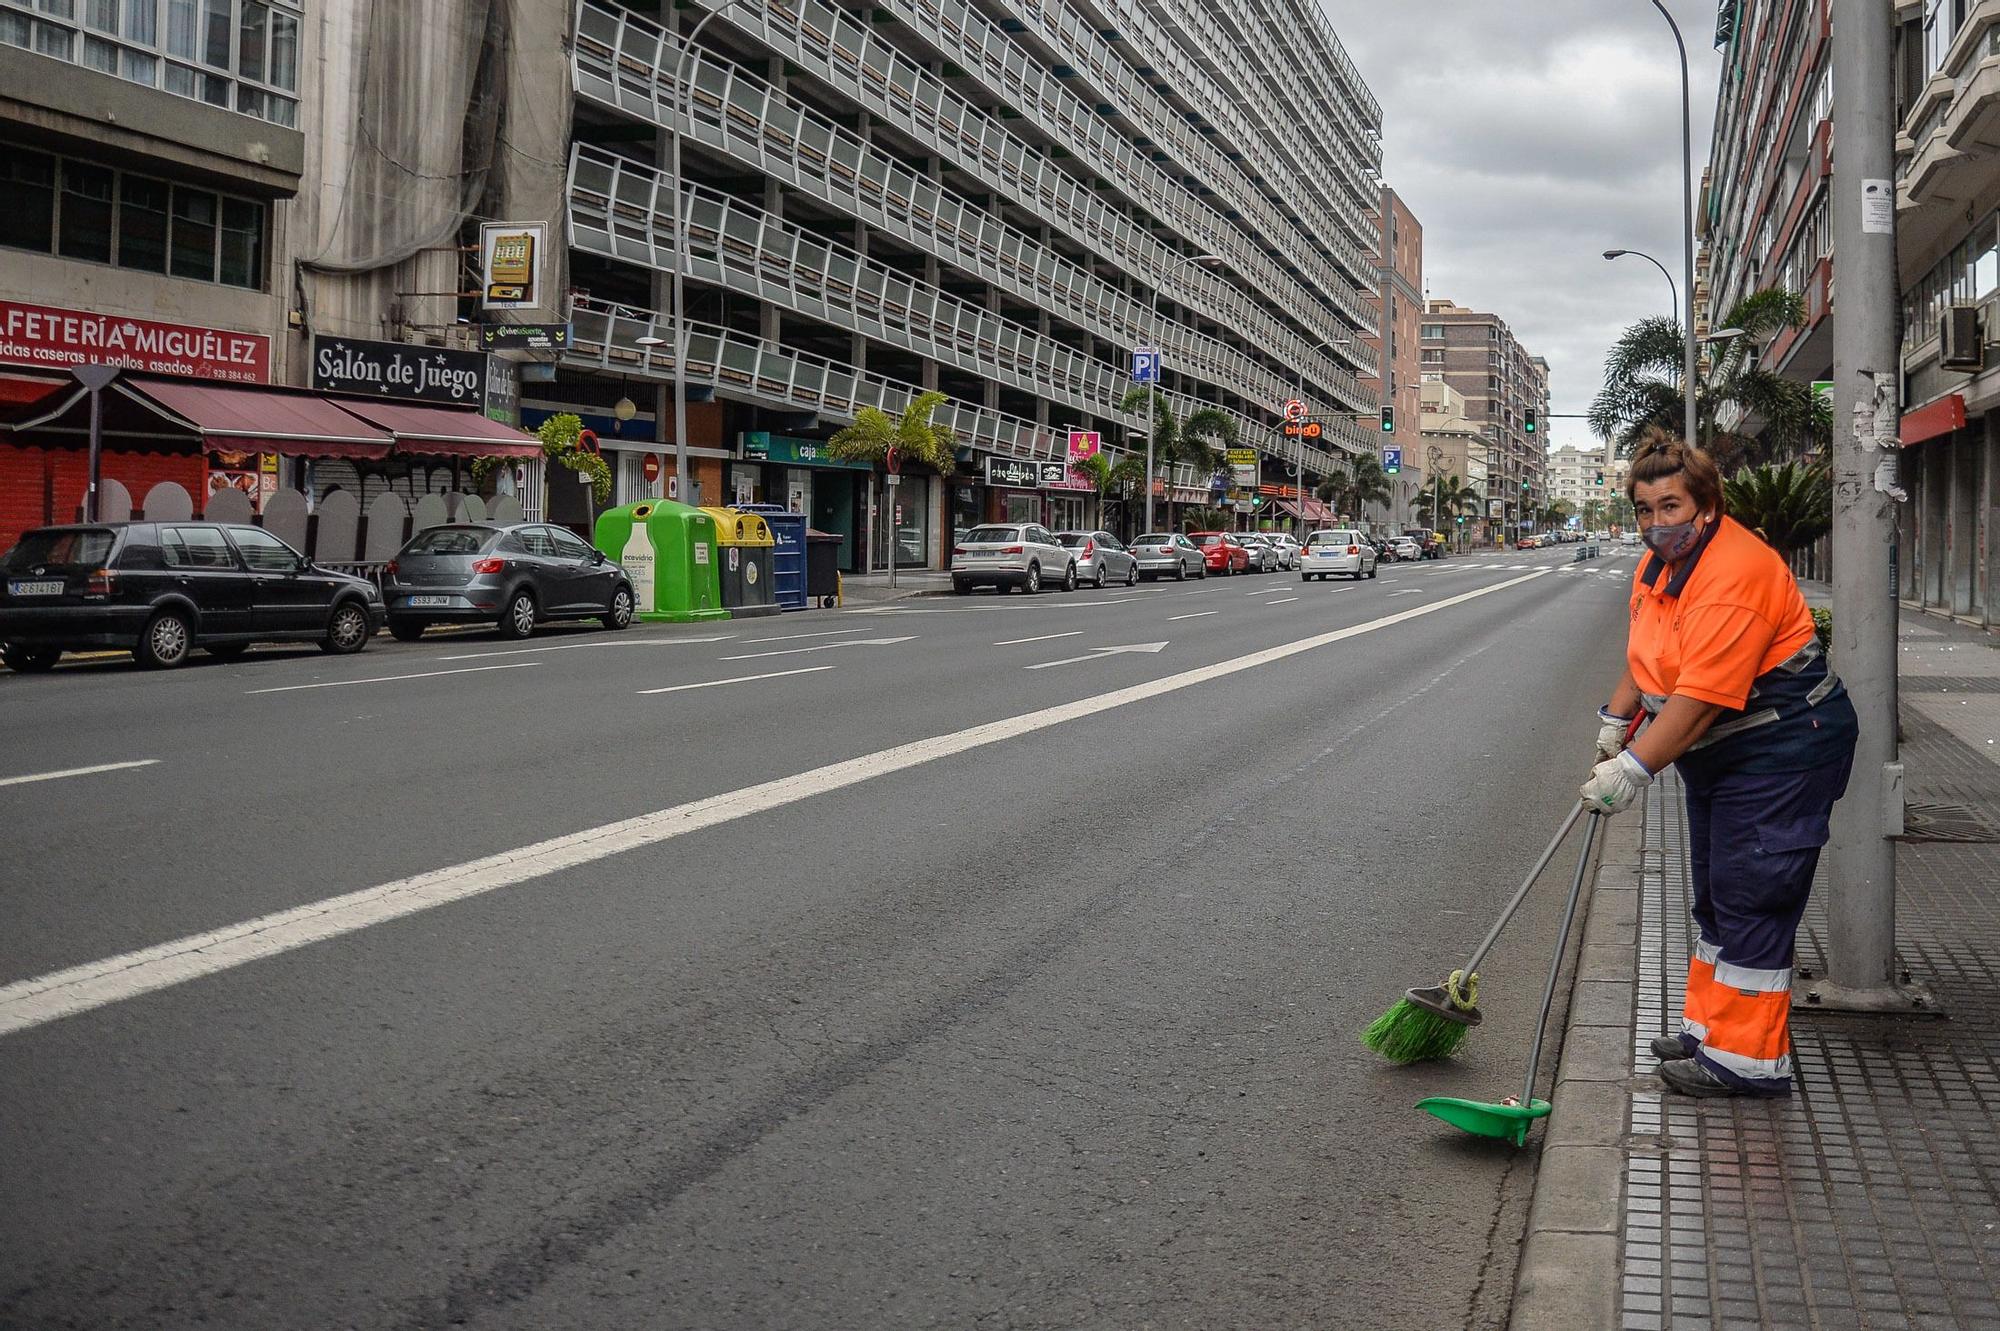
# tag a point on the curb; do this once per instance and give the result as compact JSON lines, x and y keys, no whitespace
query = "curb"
{"x":1568,"y":1277}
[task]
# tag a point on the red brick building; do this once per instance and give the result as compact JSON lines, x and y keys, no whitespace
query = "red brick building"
{"x":1399,"y":303}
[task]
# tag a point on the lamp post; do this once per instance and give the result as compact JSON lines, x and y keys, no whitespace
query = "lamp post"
{"x":1433,"y":458}
{"x":1159,"y":325}
{"x":1299,"y":462}
{"x":685,"y":96}
{"x":1673,"y":292}
{"x":1687,"y":225}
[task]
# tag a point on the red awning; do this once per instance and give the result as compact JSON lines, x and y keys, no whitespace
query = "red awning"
{"x":1314,"y":510}
{"x":256,"y":420}
{"x":1936,"y":418}
{"x":445,"y":431}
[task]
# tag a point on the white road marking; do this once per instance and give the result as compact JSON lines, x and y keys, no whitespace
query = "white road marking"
{"x":1015,"y":642}
{"x":1261,"y":591}
{"x":740,"y":679}
{"x":821,"y":647}
{"x":1196,"y":615}
{"x":792,"y":637}
{"x":1199,"y":591}
{"x":41,"y":999}
{"x":1414,"y":591}
{"x":390,"y":679}
{"x":1282,"y":600}
{"x":573,"y":646}
{"x":1101,"y":653}
{"x":75,"y":771}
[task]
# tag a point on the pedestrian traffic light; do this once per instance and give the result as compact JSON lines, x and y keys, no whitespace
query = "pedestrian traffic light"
{"x":1388,"y":418}
{"x":1529,"y":423}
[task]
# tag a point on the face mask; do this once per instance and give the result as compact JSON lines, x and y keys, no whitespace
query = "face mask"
{"x":1672,"y":541}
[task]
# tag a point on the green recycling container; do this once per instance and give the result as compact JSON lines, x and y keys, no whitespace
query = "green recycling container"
{"x":668,"y":549}
{"x":745,"y":554}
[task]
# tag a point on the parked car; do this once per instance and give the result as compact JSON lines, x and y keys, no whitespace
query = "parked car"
{"x":1406,"y":547}
{"x":1223,"y":553}
{"x":516,"y":576}
{"x":1528,"y":542}
{"x":1263,"y":555}
{"x":1167,"y":555}
{"x":1008,"y":555}
{"x":1288,"y":549}
{"x":162,"y":589}
{"x":1429,"y":544}
{"x":1337,"y":550}
{"x":1100,"y":557}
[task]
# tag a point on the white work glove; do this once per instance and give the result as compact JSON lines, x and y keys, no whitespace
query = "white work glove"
{"x":1611,"y":732}
{"x":1614,"y":784}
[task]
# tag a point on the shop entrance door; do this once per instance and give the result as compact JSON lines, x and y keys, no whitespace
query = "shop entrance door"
{"x":835,"y":497}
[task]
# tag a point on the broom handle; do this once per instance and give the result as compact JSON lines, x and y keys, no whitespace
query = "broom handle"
{"x":1555,"y":966}
{"x":1479,"y":953}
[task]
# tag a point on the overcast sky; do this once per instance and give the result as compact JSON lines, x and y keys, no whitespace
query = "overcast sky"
{"x":1529,"y":136}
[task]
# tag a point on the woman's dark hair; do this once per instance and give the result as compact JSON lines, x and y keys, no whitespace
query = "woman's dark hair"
{"x":1661,"y":455}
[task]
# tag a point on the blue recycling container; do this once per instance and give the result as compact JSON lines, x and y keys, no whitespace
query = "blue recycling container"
{"x":788,"y":560}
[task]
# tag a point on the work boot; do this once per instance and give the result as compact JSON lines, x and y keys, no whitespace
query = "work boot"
{"x":1669,"y":1046}
{"x":1689,"y":1077}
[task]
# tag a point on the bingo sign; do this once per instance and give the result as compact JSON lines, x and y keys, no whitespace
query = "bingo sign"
{"x":1084,"y":444}
{"x":53,"y":338}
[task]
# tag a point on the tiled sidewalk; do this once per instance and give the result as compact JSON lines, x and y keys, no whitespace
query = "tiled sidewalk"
{"x":1870,"y":1198}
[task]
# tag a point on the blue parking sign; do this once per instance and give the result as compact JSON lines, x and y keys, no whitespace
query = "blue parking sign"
{"x":1392,"y":460}
{"x":1145,"y":365}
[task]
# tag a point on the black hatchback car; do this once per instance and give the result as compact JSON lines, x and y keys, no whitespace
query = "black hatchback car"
{"x":161,"y":589}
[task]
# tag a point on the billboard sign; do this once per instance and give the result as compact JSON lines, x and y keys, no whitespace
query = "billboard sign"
{"x":48,"y":337}
{"x":510,"y":264}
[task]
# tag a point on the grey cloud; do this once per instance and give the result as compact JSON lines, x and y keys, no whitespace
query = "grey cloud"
{"x":1529,"y":136}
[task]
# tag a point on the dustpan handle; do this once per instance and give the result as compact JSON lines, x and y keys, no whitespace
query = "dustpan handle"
{"x":1555,"y":965}
{"x":1520,"y":894}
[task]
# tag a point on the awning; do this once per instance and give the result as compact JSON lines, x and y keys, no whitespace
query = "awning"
{"x":445,"y":431}
{"x":1314,"y":510}
{"x":253,"y":420}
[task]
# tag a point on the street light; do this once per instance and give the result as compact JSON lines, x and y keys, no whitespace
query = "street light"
{"x":1672,"y":290}
{"x":684,"y":95}
{"x":1687,"y":223}
{"x":1159,"y":369}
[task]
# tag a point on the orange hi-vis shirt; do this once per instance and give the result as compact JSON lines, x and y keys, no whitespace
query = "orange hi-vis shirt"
{"x":1728,"y":614}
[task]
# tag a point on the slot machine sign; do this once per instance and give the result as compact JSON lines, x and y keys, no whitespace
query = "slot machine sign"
{"x":510,"y":264}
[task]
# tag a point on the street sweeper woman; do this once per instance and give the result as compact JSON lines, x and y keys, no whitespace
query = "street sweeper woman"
{"x":1722,"y":662}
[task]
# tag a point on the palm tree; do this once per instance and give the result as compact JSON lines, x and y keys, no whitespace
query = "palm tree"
{"x":1447,"y":496}
{"x":1642,"y":386}
{"x":876,"y":436}
{"x":1790,"y":506}
{"x":1110,"y":480}
{"x":1356,"y":484}
{"x":1182,"y":439}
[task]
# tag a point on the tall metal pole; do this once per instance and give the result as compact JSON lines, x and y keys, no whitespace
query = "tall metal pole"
{"x":1673,"y":291}
{"x":95,"y":377}
{"x":1861,"y":903}
{"x":684,"y":95}
{"x":1693,"y":428}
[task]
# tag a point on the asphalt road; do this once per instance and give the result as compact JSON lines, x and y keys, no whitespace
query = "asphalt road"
{"x":927,"y":966}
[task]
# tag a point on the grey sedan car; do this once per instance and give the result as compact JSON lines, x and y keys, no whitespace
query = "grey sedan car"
{"x":1167,"y":555}
{"x":1100,"y":557}
{"x":513,"y":576}
{"x":1264,"y":557}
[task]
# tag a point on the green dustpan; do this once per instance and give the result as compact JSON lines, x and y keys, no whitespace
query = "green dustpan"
{"x":1510,"y":1122}
{"x":1507,"y":1122}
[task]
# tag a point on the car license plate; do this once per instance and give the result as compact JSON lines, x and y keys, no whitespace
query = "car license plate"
{"x":430,"y":600}
{"x":50,"y":587}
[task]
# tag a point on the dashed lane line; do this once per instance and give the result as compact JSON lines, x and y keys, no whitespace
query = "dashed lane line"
{"x":391,"y":679}
{"x":33,"y":777}
{"x":739,"y":679}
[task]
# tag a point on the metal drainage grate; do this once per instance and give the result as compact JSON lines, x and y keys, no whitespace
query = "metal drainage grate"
{"x":1944,"y":822}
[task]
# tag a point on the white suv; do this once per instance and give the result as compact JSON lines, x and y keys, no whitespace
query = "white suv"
{"x":1337,"y":550}
{"x":1026,"y":555}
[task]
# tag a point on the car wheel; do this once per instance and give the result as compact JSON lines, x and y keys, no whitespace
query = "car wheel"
{"x":619,"y":614}
{"x":962,"y":588}
{"x":1098,"y":583}
{"x":1033,"y":582}
{"x":226,"y":651}
{"x":1069,"y":581}
{"x":1201,"y":574}
{"x":1374,"y":569}
{"x":406,"y":630}
{"x":165,"y":642}
{"x":31,"y":660}
{"x":346,"y":630}
{"x":518,"y":619}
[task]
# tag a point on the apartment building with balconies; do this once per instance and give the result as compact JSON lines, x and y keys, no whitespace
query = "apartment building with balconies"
{"x":996,"y":201}
{"x":1765,"y":223}
{"x":1479,"y":356}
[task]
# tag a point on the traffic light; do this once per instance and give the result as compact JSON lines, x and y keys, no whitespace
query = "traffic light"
{"x":1524,"y":482}
{"x":1388,"y":418}
{"x":1461,"y":519}
{"x":1257,"y":501}
{"x":1529,"y":423}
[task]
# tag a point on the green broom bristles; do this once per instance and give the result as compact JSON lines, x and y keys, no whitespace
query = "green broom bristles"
{"x":1407,"y":1033}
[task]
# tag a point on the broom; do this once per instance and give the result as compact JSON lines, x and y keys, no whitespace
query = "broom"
{"x":1433,"y":1021}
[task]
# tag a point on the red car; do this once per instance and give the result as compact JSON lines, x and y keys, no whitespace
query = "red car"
{"x":1223,"y":553}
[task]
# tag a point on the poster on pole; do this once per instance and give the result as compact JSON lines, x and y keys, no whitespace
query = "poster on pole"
{"x":510,"y":264}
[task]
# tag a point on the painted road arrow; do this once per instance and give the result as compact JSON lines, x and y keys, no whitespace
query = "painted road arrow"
{"x":1099,"y":654}
{"x":826,"y":647}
